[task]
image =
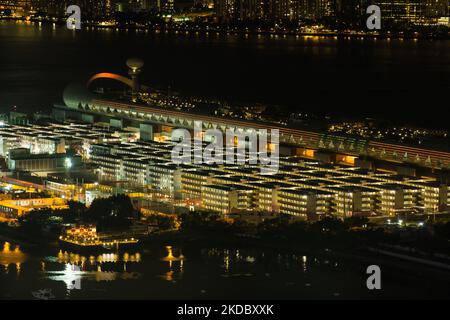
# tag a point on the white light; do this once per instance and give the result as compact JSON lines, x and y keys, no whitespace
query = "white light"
{"x":71,"y":276}
{"x":68,"y":163}
{"x":420,"y":224}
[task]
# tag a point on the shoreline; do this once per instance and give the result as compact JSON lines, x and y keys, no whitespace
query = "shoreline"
{"x":356,"y":34}
{"x":7,"y":238}
{"x":358,"y":254}
{"x":361,"y":255}
{"x":26,"y":241}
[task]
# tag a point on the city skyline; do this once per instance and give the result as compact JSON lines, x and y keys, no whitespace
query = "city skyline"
{"x":340,"y":13}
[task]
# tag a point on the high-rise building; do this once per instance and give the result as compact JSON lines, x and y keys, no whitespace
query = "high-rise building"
{"x":316,"y":9}
{"x":250,"y":9}
{"x":414,"y":11}
{"x":164,"y":6}
{"x":8,"y":7}
{"x":89,"y":8}
{"x":435,"y":10}
{"x":284,"y":10}
{"x":275,"y":10}
{"x":16,"y":7}
{"x":136,"y":5}
{"x":169,"y":6}
{"x":226,"y":10}
{"x":350,"y":12}
{"x":402,"y":11}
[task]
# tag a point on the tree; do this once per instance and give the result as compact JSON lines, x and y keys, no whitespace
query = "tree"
{"x":328,"y":225}
{"x":443,"y":230}
{"x":298,"y":231}
{"x":164,"y":222}
{"x":205,"y":222}
{"x":356,"y":221}
{"x":35,"y":221}
{"x":114,"y":212}
{"x":275,"y":227}
{"x":75,"y":212}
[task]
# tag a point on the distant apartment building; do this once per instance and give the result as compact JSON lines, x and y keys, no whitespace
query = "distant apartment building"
{"x":135,"y":170}
{"x":225,"y":10}
{"x":350,"y":200}
{"x":434,"y":196}
{"x":89,"y":8}
{"x":139,"y":5}
{"x":422,"y":12}
{"x":305,"y":188}
{"x":344,"y":11}
{"x":109,"y":167}
{"x":166,"y":179}
{"x":286,"y":10}
{"x":226,"y":199}
{"x":308,"y":191}
{"x":448,"y":197}
{"x":306,"y":204}
{"x":192,"y":181}
{"x":267,"y":195}
{"x":316,"y":9}
{"x":412,"y":197}
{"x":391,"y":199}
{"x":13,"y":8}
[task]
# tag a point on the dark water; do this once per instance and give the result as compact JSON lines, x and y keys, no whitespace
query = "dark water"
{"x":161,"y":272}
{"x":344,"y":77}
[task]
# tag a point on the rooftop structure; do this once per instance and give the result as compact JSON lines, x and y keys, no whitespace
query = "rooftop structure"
{"x":154,"y":121}
{"x":15,"y":208}
{"x":145,"y":166}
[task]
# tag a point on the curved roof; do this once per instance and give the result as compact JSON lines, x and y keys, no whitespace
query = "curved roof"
{"x":112,"y":76}
{"x":76,"y":94}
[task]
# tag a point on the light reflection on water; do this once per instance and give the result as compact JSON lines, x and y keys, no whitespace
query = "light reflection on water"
{"x":71,"y":274}
{"x":75,"y":258}
{"x":12,"y":255}
{"x":101,"y":267}
{"x":173,"y":272}
{"x":106,"y":267}
{"x":337,"y":63}
{"x":69,"y":266}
